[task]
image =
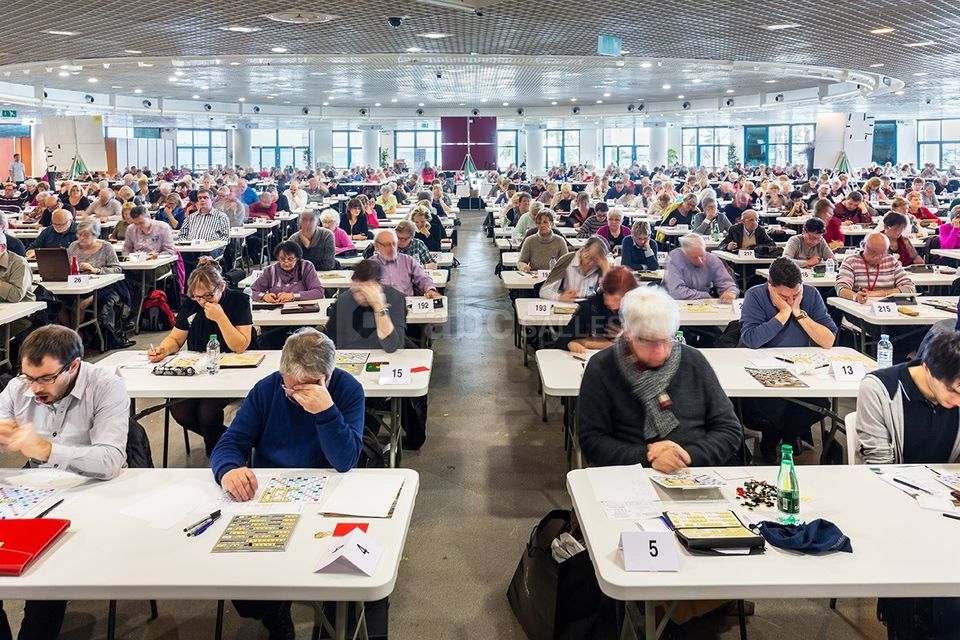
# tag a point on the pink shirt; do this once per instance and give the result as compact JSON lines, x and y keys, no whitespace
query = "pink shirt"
{"x":342,"y":241}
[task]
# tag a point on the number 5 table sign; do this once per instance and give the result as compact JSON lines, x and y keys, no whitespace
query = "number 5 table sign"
{"x":649,"y":551}
{"x":354,"y":552}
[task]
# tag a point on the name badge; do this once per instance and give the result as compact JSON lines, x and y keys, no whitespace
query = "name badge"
{"x":78,"y":280}
{"x":422,"y":306}
{"x":649,"y":551}
{"x":394,"y":374}
{"x":883,"y":309}
{"x":853,"y":371}
{"x":747,"y":253}
{"x":541,"y":308}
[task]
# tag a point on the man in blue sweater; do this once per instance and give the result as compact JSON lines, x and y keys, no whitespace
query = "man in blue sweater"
{"x":307,"y":415}
{"x":784,"y":312}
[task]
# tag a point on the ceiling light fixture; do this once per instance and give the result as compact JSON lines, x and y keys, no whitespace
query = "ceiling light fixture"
{"x":606,"y":95}
{"x":92,"y":80}
{"x":924,"y":43}
{"x":324,"y":104}
{"x":64,"y":74}
{"x":730,"y":91}
{"x":205,"y":87}
{"x":144,"y":64}
{"x":876,"y":65}
{"x":665,"y":87}
{"x":433,"y":35}
{"x":278,"y":50}
{"x":483,"y":99}
{"x":419,"y":104}
{"x":178,"y":72}
{"x":573,"y":99}
{"x":241,"y":29}
{"x":55,"y":32}
{"x":241,"y":99}
{"x":554,"y":103}
{"x":882,"y":30}
{"x":646,"y":65}
{"x":138,"y":90}
{"x":898,"y":93}
{"x":781,"y":27}
{"x":697,"y":80}
{"x":376,"y":104}
{"x":413,"y":49}
{"x":599,"y":101}
{"x":393,"y":99}
{"x":195,"y":97}
{"x":331,"y":97}
{"x":920,"y":74}
{"x":173,"y":78}
{"x":680,"y":97}
{"x":506,"y":104}
{"x":132,"y":51}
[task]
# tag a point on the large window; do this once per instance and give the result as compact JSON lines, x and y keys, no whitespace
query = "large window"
{"x":279,"y":148}
{"x":417,"y":146}
{"x":200,"y":149}
{"x":626,"y":146}
{"x":562,"y":147}
{"x":507,"y":148}
{"x":779,"y":144}
{"x":885,"y":142}
{"x":132,"y":132}
{"x":938,"y":141}
{"x":347,"y":147}
{"x":705,"y":146}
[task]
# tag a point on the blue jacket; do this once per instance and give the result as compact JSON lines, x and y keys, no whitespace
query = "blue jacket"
{"x":632,"y":256}
{"x":760,"y":328}
{"x":284,"y":435}
{"x":249,"y":196}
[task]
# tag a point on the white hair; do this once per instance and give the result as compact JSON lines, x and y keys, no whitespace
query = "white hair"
{"x":385,"y":190}
{"x":308,"y":354}
{"x":693,"y":241}
{"x":650,"y":312}
{"x":615,"y":212}
{"x":382,"y":230}
{"x":329,"y":215}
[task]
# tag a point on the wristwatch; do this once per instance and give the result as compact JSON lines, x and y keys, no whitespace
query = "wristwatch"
{"x":383,"y":312}
{"x":801,"y":315}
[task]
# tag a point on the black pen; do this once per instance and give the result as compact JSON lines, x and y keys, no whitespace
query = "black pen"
{"x":912,"y":486}
{"x":50,"y":508}
{"x":950,"y":515}
{"x":215,"y":514}
{"x":784,"y":360}
{"x":195,"y":531}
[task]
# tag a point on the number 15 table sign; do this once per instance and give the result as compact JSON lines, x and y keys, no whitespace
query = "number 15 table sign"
{"x":394,"y":374}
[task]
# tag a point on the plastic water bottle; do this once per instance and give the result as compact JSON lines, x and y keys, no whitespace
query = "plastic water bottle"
{"x":831,"y":267}
{"x":213,"y":355}
{"x":716,"y":232}
{"x":553,"y":262}
{"x":679,"y":338}
{"x":788,"y":489}
{"x":884,"y":351}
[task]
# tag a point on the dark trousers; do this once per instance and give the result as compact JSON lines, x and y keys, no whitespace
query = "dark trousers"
{"x":259,"y":609}
{"x":203,"y":416}
{"x":42,"y":620}
{"x":780,"y":419}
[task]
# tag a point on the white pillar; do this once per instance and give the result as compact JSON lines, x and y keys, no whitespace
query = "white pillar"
{"x":658,"y":144}
{"x":907,"y":141}
{"x":321,"y":141}
{"x":370,"y":144}
{"x":536,"y":135}
{"x":241,"y":147}
{"x":675,"y":141}
{"x":521,"y":147}
{"x":589,"y":145}
{"x":37,"y":152}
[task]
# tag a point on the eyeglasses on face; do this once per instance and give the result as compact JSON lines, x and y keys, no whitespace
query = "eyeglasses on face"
{"x":47,"y":379}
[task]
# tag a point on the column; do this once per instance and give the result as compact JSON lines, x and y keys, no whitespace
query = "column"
{"x":536,"y":134}
{"x":37,"y":152}
{"x":321,"y":142}
{"x":241,"y":147}
{"x":675,"y":141}
{"x":589,"y":144}
{"x":370,"y":144}
{"x":658,"y":144}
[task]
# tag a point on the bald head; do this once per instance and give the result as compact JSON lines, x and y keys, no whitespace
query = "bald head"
{"x":61,"y":217}
{"x":51,"y":201}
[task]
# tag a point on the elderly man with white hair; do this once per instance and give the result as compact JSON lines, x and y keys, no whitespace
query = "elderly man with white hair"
{"x":400,"y":271}
{"x":105,"y":207}
{"x":318,"y":242}
{"x":694,"y":274}
{"x":650,"y":400}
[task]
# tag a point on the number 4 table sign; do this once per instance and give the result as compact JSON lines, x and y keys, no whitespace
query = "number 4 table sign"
{"x":649,"y":551}
{"x":356,"y":551}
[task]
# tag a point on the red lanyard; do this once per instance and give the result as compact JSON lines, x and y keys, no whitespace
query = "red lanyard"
{"x":866,"y":269}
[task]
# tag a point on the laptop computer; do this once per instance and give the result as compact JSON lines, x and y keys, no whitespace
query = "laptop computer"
{"x":53,"y":264}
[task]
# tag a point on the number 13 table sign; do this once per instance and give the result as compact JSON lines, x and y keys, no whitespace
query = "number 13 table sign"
{"x":354,"y":552}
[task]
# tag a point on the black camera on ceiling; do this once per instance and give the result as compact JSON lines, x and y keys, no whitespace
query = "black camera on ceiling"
{"x":520,"y":111}
{"x":778,"y":97}
{"x":631,"y":108}
{"x":305,"y":111}
{"x":89,"y":99}
{"x":363,"y":111}
{"x":256,"y":109}
{"x":146,"y":104}
{"x":475,"y":112}
{"x":395,"y":22}
{"x":208,"y":107}
{"x":685,"y":105}
{"x":730,"y":102}
{"x":419,"y":112}
{"x":576,"y":110}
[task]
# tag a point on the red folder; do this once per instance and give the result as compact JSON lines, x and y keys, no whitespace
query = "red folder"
{"x":23,"y":540}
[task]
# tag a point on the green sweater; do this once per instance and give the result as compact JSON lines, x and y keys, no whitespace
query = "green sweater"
{"x":536,"y":252}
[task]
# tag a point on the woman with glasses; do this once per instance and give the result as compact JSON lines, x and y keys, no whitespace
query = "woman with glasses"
{"x":289,"y":279}
{"x":211,"y":309}
{"x":171,"y":211}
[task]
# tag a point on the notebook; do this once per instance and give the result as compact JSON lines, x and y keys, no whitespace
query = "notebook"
{"x":23,"y":540}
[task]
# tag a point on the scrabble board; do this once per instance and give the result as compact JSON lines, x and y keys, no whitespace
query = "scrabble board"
{"x":293,"y":489}
{"x":19,"y":502}
{"x":257,"y":533}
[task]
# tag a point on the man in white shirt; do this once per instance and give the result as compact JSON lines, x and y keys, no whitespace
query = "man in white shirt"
{"x":296,"y":197}
{"x":62,"y":413}
{"x":105,"y":207}
{"x":18,"y":171}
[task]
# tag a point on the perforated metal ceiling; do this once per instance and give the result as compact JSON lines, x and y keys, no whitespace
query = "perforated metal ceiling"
{"x":830,"y":34}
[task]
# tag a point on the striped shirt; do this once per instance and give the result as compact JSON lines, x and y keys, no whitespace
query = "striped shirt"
{"x":213,"y":225}
{"x":855,"y":274}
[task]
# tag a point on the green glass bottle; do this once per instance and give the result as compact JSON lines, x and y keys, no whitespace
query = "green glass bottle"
{"x":788,"y":490}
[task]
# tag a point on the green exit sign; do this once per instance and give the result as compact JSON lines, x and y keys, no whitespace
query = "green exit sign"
{"x":8,"y":113}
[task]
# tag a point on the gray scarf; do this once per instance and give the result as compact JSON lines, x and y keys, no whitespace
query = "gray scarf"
{"x":650,"y":388}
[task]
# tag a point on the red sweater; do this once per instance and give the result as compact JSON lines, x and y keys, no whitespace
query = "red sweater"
{"x":257,"y":210}
{"x":833,"y":232}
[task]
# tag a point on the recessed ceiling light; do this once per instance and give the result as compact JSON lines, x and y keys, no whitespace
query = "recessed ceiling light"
{"x":178,"y":72}
{"x":138,"y":90}
{"x":920,"y":74}
{"x":55,"y":32}
{"x":173,"y":78}
{"x":278,"y":50}
{"x":599,"y":101}
{"x":419,"y":104}
{"x":376,"y":104}
{"x":506,"y":104}
{"x":573,"y":99}
{"x":554,"y":103}
{"x":393,"y":99}
{"x":876,"y":65}
{"x":729,"y":90}
{"x":433,"y":35}
{"x":234,"y":64}
{"x":132,"y":51}
{"x":241,"y":29}
{"x":882,"y":30}
{"x":92,"y":80}
{"x":483,"y":99}
{"x":144,"y":64}
{"x":781,"y":27}
{"x":646,"y":65}
{"x":205,"y":87}
{"x":769,"y":81}
{"x":324,"y":104}
{"x":241,"y":99}
{"x":331,"y":97}
{"x":665,"y":87}
{"x":413,"y":49}
{"x":64,"y":74}
{"x":606,"y":95}
{"x":898,"y":93}
{"x":195,"y":97}
{"x":623,"y":52}
{"x":697,"y":80}
{"x":116,"y":86}
{"x":924,"y":43}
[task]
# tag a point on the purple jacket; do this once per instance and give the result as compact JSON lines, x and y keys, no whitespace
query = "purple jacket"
{"x":405,"y":274}
{"x":302,"y":279}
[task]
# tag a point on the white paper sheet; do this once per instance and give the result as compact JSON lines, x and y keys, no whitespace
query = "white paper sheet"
{"x":168,"y":505}
{"x":936,"y":503}
{"x":628,"y":483}
{"x":47,"y":479}
{"x":732,"y":473}
{"x":629,"y":510}
{"x":363,"y":495}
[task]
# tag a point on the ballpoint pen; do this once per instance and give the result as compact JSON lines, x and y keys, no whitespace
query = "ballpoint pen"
{"x":201,"y":529}
{"x":214,"y":515}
